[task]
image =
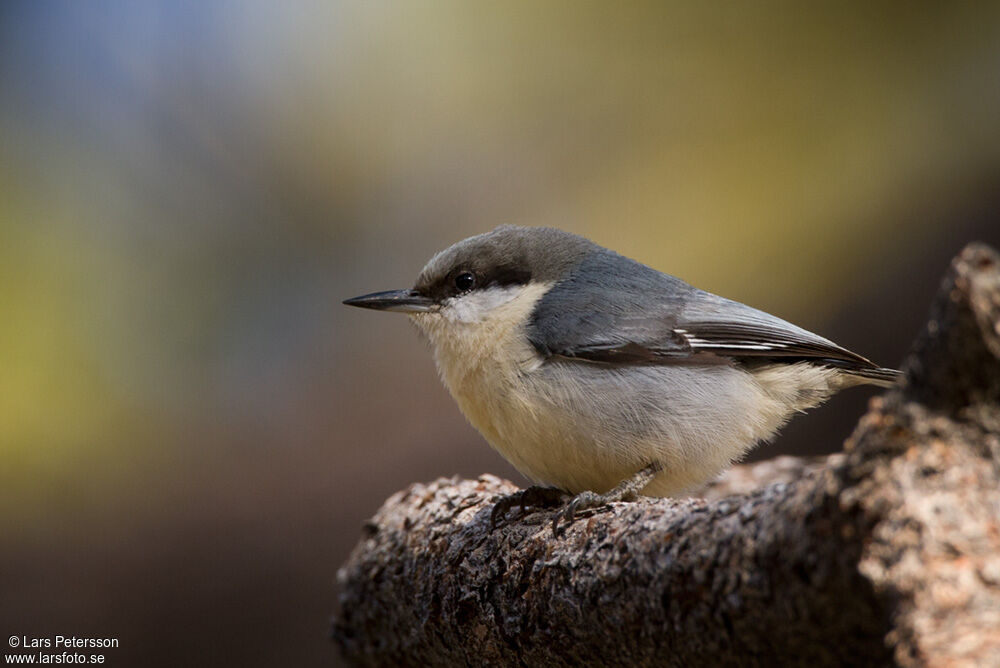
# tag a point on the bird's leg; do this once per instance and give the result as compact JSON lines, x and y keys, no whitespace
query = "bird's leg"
{"x":536,"y":496}
{"x":627,"y":490}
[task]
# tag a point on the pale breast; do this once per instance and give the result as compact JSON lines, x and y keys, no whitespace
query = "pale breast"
{"x":582,"y":426}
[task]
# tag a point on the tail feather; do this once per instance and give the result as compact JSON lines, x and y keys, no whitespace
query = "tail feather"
{"x":881,"y":377}
{"x":862,"y":374}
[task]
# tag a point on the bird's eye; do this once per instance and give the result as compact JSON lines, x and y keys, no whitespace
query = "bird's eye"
{"x":465,"y":281}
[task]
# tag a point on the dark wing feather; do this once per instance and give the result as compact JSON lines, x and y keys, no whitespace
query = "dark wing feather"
{"x":612,"y":310}
{"x":713,"y":324}
{"x":617,"y":311}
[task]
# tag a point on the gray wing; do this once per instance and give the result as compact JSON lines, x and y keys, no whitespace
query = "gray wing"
{"x":616,"y":311}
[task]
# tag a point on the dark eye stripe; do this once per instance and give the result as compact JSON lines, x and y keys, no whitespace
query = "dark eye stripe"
{"x":456,"y":281}
{"x":509,"y":276}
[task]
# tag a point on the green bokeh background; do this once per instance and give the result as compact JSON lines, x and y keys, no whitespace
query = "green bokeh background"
{"x":192,"y":428}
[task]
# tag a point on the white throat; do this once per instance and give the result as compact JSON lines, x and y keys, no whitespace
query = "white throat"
{"x":484,"y":306}
{"x":483,"y":332}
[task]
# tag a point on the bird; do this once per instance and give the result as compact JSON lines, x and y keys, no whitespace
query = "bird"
{"x":602,"y":379}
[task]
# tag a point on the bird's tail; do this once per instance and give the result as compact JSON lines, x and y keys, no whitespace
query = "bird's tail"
{"x":881,"y":377}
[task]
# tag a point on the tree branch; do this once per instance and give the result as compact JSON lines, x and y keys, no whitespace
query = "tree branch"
{"x":889,"y":553}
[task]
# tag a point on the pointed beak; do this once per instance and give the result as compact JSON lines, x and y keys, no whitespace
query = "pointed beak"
{"x":404,"y":301}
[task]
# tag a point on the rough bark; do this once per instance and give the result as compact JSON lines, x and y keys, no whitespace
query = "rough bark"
{"x":886,"y":554}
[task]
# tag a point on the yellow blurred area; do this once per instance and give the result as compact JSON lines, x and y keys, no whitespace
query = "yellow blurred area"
{"x":189,"y":189}
{"x":52,"y":396}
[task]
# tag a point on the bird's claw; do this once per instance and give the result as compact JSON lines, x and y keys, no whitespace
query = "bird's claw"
{"x":534,"y":496}
{"x":581,"y":502}
{"x":540,"y":497}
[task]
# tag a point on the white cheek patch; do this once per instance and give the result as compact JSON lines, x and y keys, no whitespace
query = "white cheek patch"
{"x":478,"y":305}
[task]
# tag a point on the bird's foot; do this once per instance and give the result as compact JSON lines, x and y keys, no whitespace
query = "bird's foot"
{"x":586,"y":501}
{"x":535,"y":496}
{"x":627,"y":490}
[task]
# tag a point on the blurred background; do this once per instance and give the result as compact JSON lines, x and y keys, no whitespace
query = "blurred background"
{"x":192,"y":428}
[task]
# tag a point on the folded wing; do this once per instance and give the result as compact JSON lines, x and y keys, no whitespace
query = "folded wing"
{"x":605,"y":315}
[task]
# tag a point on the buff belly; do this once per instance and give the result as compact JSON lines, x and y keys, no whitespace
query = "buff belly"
{"x":581,"y":426}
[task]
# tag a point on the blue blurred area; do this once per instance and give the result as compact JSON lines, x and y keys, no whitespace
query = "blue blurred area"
{"x":191,"y":426}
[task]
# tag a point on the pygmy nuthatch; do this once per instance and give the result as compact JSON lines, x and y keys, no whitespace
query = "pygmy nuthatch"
{"x":603,"y":377}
